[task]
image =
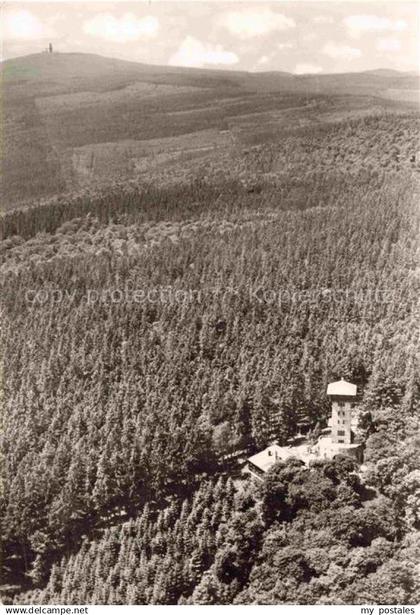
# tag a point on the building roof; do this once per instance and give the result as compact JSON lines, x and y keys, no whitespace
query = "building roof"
{"x":324,"y":449}
{"x":342,"y":388}
{"x":268,"y":457}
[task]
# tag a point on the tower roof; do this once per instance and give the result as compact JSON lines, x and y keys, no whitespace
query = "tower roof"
{"x":342,"y":388}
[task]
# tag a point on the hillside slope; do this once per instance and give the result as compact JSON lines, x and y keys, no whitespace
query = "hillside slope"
{"x":148,"y":337}
{"x":156,"y":334}
{"x":80,"y":120}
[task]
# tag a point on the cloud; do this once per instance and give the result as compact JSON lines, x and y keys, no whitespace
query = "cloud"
{"x":22,"y":25}
{"x":193,"y":52}
{"x":124,"y":29}
{"x":308,"y":37}
{"x":267,"y":58}
{"x":324,"y":19}
{"x":360,"y":24}
{"x":306,"y":69}
{"x":388,"y":44}
{"x":255,"y":22}
{"x":341,"y":52}
{"x":263,"y":60}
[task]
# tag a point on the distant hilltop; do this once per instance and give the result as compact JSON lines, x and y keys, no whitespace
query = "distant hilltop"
{"x":69,"y":67}
{"x":77,"y":120}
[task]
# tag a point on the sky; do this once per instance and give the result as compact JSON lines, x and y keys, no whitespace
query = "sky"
{"x":298,"y":36}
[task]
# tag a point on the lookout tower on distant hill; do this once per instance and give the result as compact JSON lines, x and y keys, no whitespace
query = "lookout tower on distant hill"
{"x":50,"y":48}
{"x":342,"y":395}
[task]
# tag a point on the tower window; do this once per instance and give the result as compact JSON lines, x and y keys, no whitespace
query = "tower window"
{"x":340,"y":432}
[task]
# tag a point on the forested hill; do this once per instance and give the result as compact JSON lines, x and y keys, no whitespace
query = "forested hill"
{"x":155,"y":333}
{"x":75,"y":121}
{"x":306,"y":536}
{"x":72,"y":71}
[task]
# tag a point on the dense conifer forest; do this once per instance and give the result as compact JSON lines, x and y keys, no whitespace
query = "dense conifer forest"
{"x":153,"y":338}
